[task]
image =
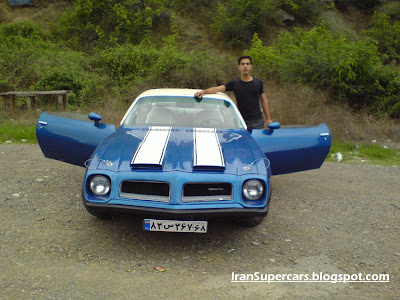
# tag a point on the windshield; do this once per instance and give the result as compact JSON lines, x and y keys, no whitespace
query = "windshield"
{"x":182,"y":111}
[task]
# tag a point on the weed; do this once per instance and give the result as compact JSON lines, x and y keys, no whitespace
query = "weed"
{"x":16,"y":132}
{"x":365,"y":153}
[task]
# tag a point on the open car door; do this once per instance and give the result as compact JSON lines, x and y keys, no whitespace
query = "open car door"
{"x":70,"y":137}
{"x":294,"y":148}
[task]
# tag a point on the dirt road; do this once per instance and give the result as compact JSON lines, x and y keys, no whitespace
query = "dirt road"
{"x":340,"y":219}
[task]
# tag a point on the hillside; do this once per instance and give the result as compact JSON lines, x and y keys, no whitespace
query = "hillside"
{"x":317,"y":58}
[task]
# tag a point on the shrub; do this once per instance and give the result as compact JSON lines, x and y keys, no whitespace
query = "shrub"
{"x":71,"y":70}
{"x":386,"y":91}
{"x":386,"y":35}
{"x":170,"y":65}
{"x":23,"y":30}
{"x":352,"y":71}
{"x":177,"y":67}
{"x":316,"y":57}
{"x":30,"y":61}
{"x":237,"y":20}
{"x":126,"y":63}
{"x":21,"y":43}
{"x":109,"y":22}
{"x":194,"y":69}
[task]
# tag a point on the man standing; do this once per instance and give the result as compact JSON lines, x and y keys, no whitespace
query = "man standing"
{"x":248,"y":91}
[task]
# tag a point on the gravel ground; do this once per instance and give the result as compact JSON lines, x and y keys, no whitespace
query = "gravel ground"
{"x":340,"y":219}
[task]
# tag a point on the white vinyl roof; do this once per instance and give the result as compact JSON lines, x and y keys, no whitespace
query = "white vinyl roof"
{"x":180,"y":92}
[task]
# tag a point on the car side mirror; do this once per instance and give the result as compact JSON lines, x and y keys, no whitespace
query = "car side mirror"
{"x":272,"y":126}
{"x":96,"y":118}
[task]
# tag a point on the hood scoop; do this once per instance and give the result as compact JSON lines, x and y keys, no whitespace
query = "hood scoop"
{"x":207,"y":150}
{"x":151,"y":151}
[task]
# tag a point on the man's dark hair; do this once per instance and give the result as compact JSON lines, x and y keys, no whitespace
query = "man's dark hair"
{"x":243,"y":57}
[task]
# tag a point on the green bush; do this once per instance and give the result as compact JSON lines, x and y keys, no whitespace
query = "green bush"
{"x":60,"y":81}
{"x":386,"y":91}
{"x":21,"y":44}
{"x":127,"y":63}
{"x":108,"y":22}
{"x":352,"y":71}
{"x":22,"y":30}
{"x":316,"y":57}
{"x":204,"y":69}
{"x":30,"y":61}
{"x":171,"y":59}
{"x":170,"y":65}
{"x":189,"y":69}
{"x":386,"y":35}
{"x":237,"y":20}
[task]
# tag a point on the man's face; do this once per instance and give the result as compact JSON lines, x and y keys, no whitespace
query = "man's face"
{"x":245,"y":66}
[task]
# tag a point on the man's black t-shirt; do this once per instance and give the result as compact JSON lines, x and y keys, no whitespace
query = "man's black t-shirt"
{"x":247,"y":95}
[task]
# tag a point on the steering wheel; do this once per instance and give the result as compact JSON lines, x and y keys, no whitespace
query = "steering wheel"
{"x":208,"y":122}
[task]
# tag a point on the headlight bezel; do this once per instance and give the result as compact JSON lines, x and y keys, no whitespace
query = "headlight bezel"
{"x":99,"y":179}
{"x":256,"y":184}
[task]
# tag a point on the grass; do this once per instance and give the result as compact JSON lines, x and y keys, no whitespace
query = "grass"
{"x":13,"y":131}
{"x":365,"y":153}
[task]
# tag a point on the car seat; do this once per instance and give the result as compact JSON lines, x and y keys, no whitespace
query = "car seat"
{"x":160,"y":116}
{"x":210,"y":119}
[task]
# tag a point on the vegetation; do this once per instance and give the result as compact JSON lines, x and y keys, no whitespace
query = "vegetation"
{"x":386,"y":35}
{"x":353,"y":71}
{"x":305,"y":11}
{"x":237,"y":20}
{"x":14,"y":131}
{"x":364,"y":153}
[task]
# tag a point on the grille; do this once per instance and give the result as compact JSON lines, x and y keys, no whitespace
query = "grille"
{"x":193,"y":192}
{"x":145,"y":190}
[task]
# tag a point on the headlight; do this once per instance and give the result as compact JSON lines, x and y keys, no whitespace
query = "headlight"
{"x":253,"y":189}
{"x":99,"y":185}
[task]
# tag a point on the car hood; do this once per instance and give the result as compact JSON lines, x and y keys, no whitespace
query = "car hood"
{"x":179,"y":149}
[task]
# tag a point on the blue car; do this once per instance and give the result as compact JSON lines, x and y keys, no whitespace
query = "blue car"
{"x":179,"y":161}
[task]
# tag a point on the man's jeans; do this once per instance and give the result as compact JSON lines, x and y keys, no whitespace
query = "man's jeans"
{"x":254,"y":124}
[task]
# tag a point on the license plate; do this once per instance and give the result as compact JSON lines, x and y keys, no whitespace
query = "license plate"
{"x":175,"y":226}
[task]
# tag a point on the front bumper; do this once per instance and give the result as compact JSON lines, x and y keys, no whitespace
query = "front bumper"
{"x":178,"y":213}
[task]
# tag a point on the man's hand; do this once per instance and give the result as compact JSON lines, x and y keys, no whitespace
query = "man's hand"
{"x":199,"y":94}
{"x":212,"y":90}
{"x":267,"y":123}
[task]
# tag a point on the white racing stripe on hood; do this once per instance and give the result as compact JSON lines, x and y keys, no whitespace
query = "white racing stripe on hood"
{"x":207,"y":149}
{"x":151,"y":150}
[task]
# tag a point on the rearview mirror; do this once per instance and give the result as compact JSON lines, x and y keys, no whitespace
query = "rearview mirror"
{"x":272,"y":126}
{"x":96,"y":118}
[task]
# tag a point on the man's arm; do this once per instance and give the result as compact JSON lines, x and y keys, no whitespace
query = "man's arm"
{"x":211,"y":90}
{"x":265,"y":107}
